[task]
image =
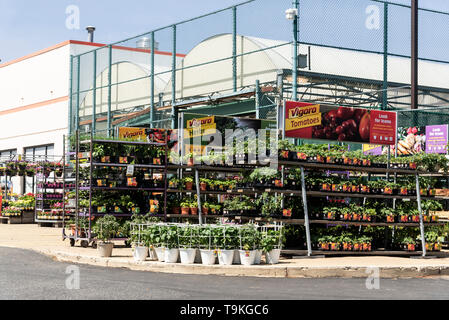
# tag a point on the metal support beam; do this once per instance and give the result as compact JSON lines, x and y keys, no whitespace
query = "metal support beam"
{"x":152,"y":106}
{"x":295,"y":54}
{"x":257,"y":99}
{"x":71,"y":97}
{"x":94,"y":95}
{"x":109,"y":121}
{"x":421,"y":220}
{"x":414,"y":54}
{"x":198,"y":193}
{"x":234,"y":48}
{"x":174,"y":113}
{"x":385,"y":82}
{"x":77,"y":115}
{"x":306,"y":212}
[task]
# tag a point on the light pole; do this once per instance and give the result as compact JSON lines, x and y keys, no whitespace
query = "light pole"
{"x":292,"y":14}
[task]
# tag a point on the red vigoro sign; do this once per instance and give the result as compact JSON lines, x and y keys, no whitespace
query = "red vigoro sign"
{"x":314,"y":121}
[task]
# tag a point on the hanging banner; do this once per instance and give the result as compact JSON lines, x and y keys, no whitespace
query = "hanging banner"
{"x":325,"y":122}
{"x":436,"y":139}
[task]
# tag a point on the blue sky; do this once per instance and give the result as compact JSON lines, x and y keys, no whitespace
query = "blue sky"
{"x":27,"y":26}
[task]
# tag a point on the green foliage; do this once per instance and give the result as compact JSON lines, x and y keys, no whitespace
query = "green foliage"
{"x":106,"y":228}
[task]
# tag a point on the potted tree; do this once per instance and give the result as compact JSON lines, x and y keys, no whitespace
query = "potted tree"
{"x":105,"y":228}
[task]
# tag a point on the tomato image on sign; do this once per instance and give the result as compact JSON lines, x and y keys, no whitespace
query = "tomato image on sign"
{"x":344,"y":124}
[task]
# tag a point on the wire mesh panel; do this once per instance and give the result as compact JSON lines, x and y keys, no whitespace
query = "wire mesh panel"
{"x":350,"y":52}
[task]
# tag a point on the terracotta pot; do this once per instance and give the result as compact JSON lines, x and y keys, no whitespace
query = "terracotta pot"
{"x":194,"y":211}
{"x":189,"y":185}
{"x":176,"y":210}
{"x":185,"y":211}
{"x":203,"y":186}
{"x":205,"y":211}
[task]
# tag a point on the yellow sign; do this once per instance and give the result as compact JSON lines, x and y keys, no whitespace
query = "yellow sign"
{"x":201,"y":122}
{"x":369,"y":147}
{"x":303,"y":117}
{"x":137,"y":134}
{"x":197,"y":127}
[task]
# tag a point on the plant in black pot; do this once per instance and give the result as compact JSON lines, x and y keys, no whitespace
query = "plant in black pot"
{"x":105,"y":229}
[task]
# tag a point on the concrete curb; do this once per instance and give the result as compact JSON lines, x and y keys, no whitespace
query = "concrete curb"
{"x":263,"y":271}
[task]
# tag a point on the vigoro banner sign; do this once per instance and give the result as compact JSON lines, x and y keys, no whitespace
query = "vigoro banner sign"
{"x":324,"y":122}
{"x":197,"y":127}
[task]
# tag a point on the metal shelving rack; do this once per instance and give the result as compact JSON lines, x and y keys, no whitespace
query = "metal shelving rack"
{"x":42,"y":189}
{"x":305,"y":194}
{"x":84,"y":234}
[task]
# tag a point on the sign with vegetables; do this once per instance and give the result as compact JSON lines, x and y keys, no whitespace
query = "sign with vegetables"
{"x":325,"y":122}
{"x":436,"y":139}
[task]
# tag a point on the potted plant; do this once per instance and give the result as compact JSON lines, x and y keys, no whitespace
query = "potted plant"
{"x":203,"y":184}
{"x":169,"y":239}
{"x":105,"y":228}
{"x":173,"y":183}
{"x":205,"y":208}
{"x":139,"y":244}
{"x":194,"y":207}
{"x":188,"y":183}
{"x":409,"y":244}
{"x":271,"y":244}
{"x":188,"y":239}
{"x":226,"y":240}
{"x":248,"y":241}
{"x":208,"y":254}
{"x":185,"y":207}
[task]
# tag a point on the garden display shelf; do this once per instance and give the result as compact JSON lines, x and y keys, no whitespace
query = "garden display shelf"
{"x":302,"y":192}
{"x":50,"y":190}
{"x":105,"y":167}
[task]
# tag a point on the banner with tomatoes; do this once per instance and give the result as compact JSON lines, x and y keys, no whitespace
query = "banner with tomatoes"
{"x":325,"y":122}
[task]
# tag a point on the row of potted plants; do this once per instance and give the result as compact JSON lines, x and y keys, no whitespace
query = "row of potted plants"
{"x":110,"y":152}
{"x":333,"y":154}
{"x":359,"y":213}
{"x":29,"y":169}
{"x":187,"y":243}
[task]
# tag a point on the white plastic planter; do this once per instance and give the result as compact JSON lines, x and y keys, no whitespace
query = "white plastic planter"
{"x":187,"y":256}
{"x":105,"y":249}
{"x":160,"y":252}
{"x":258,"y":257}
{"x":140,"y":253}
{"x":208,"y":257}
{"x":171,"y":255}
{"x":236,"y":257}
{"x":247,"y":258}
{"x":273,"y":256}
{"x":225,"y":257}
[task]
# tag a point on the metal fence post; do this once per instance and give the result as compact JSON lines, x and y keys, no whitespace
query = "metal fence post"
{"x":94,"y":94}
{"x":152,"y":80}
{"x":109,"y":91}
{"x":77,"y":122}
{"x":295,"y":54}
{"x":71,"y":97}
{"x":173,"y":89}
{"x":234,"y":48}
{"x":257,"y":99}
{"x":385,"y":82}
